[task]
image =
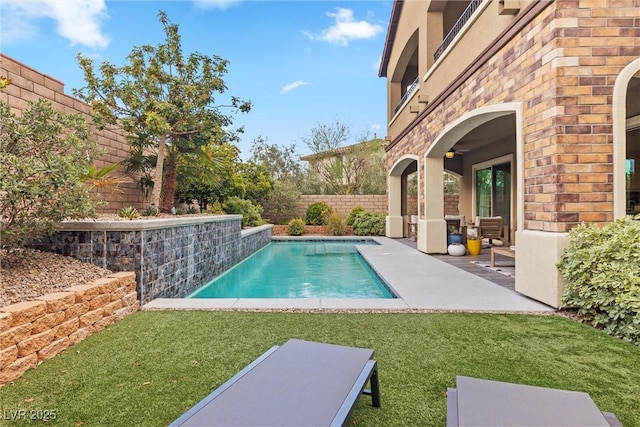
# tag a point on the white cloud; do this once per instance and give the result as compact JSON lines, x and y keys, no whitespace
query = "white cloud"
{"x":216,"y":4}
{"x":291,"y":86}
{"x":78,"y":21}
{"x":346,"y":28}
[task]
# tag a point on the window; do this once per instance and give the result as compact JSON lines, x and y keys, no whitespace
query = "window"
{"x":492,"y":189}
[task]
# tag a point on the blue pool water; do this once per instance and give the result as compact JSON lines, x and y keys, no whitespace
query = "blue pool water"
{"x":295,"y":269}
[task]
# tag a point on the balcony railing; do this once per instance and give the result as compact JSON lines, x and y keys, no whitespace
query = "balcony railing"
{"x":468,"y":12}
{"x":406,"y":96}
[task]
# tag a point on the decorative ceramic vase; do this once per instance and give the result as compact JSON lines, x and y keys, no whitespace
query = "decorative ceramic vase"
{"x":456,"y":249}
{"x":454,"y":238}
{"x":474,"y":246}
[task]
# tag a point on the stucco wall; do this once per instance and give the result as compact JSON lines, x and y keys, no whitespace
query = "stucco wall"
{"x":28,"y":84}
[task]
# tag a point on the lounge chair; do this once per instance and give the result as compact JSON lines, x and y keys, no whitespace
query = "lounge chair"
{"x":300,"y":383}
{"x":477,"y":402}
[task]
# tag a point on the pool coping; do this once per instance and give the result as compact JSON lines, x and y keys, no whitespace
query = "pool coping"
{"x":421,"y":282}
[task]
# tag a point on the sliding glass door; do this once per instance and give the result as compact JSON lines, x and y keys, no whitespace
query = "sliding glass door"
{"x":493,"y":191}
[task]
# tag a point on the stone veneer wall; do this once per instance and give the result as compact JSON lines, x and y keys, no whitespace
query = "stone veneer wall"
{"x":34,"y":331}
{"x":28,"y":84}
{"x":171,"y":257}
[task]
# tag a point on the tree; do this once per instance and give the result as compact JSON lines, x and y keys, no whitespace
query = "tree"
{"x":337,"y":169}
{"x":44,"y":155}
{"x":288,"y":175}
{"x":165,"y":102}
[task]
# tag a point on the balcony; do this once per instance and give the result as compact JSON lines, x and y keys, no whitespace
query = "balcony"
{"x":410,"y":90}
{"x":468,"y":12}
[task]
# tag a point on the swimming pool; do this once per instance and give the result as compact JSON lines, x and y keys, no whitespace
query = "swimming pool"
{"x":300,"y":269}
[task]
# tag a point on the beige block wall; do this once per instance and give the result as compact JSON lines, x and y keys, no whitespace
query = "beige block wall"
{"x":28,"y":84}
{"x":562,"y":66}
{"x":370,"y":203}
{"x":34,"y":331}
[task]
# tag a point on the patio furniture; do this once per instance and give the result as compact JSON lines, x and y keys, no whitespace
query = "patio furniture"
{"x":478,"y":402}
{"x":508,"y":252}
{"x":456,"y":222}
{"x":490,"y":227}
{"x":300,"y":383}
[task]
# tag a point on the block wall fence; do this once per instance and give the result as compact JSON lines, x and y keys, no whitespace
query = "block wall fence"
{"x":34,"y":331}
{"x":370,"y":203}
{"x":28,"y":84}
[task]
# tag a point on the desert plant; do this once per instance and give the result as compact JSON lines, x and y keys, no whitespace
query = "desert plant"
{"x":128,"y":212}
{"x":215,"y":209}
{"x":150,"y":211}
{"x":44,"y":154}
{"x":250,"y":212}
{"x":353,"y":213}
{"x":369,"y":224}
{"x":335,"y":225}
{"x":317,"y":213}
{"x":602,"y":272}
{"x":295,"y":227}
{"x":191,"y":210}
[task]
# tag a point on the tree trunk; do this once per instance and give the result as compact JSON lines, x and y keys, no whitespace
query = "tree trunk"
{"x":157,"y":178}
{"x":170,"y":183}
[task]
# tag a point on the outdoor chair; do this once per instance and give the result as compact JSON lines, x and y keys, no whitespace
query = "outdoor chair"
{"x":478,"y":402}
{"x":491,"y":228}
{"x":300,"y":383}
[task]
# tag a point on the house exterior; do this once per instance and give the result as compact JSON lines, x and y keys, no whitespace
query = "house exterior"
{"x":540,"y":101}
{"x":351,"y":169}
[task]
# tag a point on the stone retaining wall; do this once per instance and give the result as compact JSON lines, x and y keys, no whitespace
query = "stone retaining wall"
{"x":34,"y":331}
{"x":171,"y":257}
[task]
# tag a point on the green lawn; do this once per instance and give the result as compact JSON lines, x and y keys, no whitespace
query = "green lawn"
{"x":152,"y":366}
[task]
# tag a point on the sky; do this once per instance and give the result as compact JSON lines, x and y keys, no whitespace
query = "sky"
{"x":300,"y":63}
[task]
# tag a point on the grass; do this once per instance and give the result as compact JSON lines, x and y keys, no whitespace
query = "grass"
{"x":152,"y":366}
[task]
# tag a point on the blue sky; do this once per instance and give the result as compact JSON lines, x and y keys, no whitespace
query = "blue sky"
{"x":299,"y":62}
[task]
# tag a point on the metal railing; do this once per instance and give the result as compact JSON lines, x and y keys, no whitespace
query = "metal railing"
{"x":468,"y":12}
{"x":406,"y":96}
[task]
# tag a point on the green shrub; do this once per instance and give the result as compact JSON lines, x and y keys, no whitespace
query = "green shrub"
{"x":215,"y":209}
{"x":191,"y":210}
{"x":335,"y":225}
{"x":295,"y":227}
{"x":369,"y":224}
{"x":353,"y":213}
{"x":317,"y":213}
{"x":602,"y":272}
{"x":129,"y":212}
{"x":250,"y":212}
{"x":45,"y":155}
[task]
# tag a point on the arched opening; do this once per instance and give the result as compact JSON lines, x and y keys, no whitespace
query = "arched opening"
{"x":488,"y":144}
{"x":403,"y":209}
{"x":626,"y":142}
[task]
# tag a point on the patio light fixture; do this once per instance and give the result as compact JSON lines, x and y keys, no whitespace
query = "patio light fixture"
{"x":449,"y":154}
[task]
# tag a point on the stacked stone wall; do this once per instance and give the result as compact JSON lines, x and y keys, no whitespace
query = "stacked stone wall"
{"x":562,"y":67}
{"x":28,"y":84}
{"x":34,"y":331}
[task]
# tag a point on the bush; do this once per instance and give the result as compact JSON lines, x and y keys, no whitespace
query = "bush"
{"x":369,"y":224}
{"x":128,"y":212}
{"x":215,"y":209}
{"x":282,"y":203}
{"x":353,"y":213}
{"x":250,"y":212}
{"x":44,"y":156}
{"x":335,"y":225}
{"x":602,"y":272}
{"x":317,"y":213}
{"x":150,"y":211}
{"x":295,"y":227}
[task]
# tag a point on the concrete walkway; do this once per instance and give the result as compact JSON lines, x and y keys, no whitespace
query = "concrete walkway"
{"x":421,"y":282}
